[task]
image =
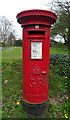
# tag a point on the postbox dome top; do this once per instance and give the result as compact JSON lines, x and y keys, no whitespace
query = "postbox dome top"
{"x":37,"y":13}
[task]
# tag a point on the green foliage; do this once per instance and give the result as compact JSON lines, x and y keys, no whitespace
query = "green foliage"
{"x":12,"y":87}
{"x":58,"y":50}
{"x":59,"y":74}
{"x":4,"y":44}
{"x":59,"y":84}
{"x":60,"y":45}
{"x":62,"y":25}
{"x":18,"y":42}
{"x":12,"y":84}
{"x":0,"y":44}
{"x":62,"y":63}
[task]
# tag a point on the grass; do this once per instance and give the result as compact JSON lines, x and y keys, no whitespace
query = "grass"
{"x":0,"y":53}
{"x":12,"y":52}
{"x":58,"y":50}
{"x":0,"y":56}
{"x":16,"y":52}
{"x":12,"y":92}
{"x":12,"y":87}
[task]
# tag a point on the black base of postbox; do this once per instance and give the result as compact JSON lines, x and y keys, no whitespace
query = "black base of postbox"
{"x":36,"y":110}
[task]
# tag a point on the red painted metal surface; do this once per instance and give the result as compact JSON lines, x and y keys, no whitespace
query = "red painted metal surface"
{"x":36,"y":70}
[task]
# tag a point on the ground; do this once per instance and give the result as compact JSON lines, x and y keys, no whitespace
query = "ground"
{"x":12,"y":85}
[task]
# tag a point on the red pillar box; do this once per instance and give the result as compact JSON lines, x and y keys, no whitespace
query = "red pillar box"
{"x":36,"y":26}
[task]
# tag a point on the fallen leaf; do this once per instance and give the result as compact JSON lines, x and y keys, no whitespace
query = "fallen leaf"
{"x":60,"y":100}
{"x":6,"y":81}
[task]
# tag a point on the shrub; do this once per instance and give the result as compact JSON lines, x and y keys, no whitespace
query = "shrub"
{"x":60,"y":45}
{"x":4,"y":44}
{"x":18,"y":42}
{"x":61,"y":63}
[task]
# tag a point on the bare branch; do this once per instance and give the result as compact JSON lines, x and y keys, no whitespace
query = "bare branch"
{"x":6,"y":28}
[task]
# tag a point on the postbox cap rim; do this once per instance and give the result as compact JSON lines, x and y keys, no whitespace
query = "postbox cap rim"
{"x":36,"y":12}
{"x":36,"y":16}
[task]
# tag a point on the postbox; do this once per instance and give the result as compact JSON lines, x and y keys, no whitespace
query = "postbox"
{"x":36,"y":26}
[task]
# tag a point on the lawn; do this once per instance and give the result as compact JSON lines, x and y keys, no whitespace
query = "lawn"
{"x":12,"y":84}
{"x":58,"y":50}
{"x":12,"y":52}
{"x":16,"y":52}
{"x":0,"y":56}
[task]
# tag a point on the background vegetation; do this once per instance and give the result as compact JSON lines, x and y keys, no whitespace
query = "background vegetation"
{"x":12,"y":84}
{"x":62,"y":25}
